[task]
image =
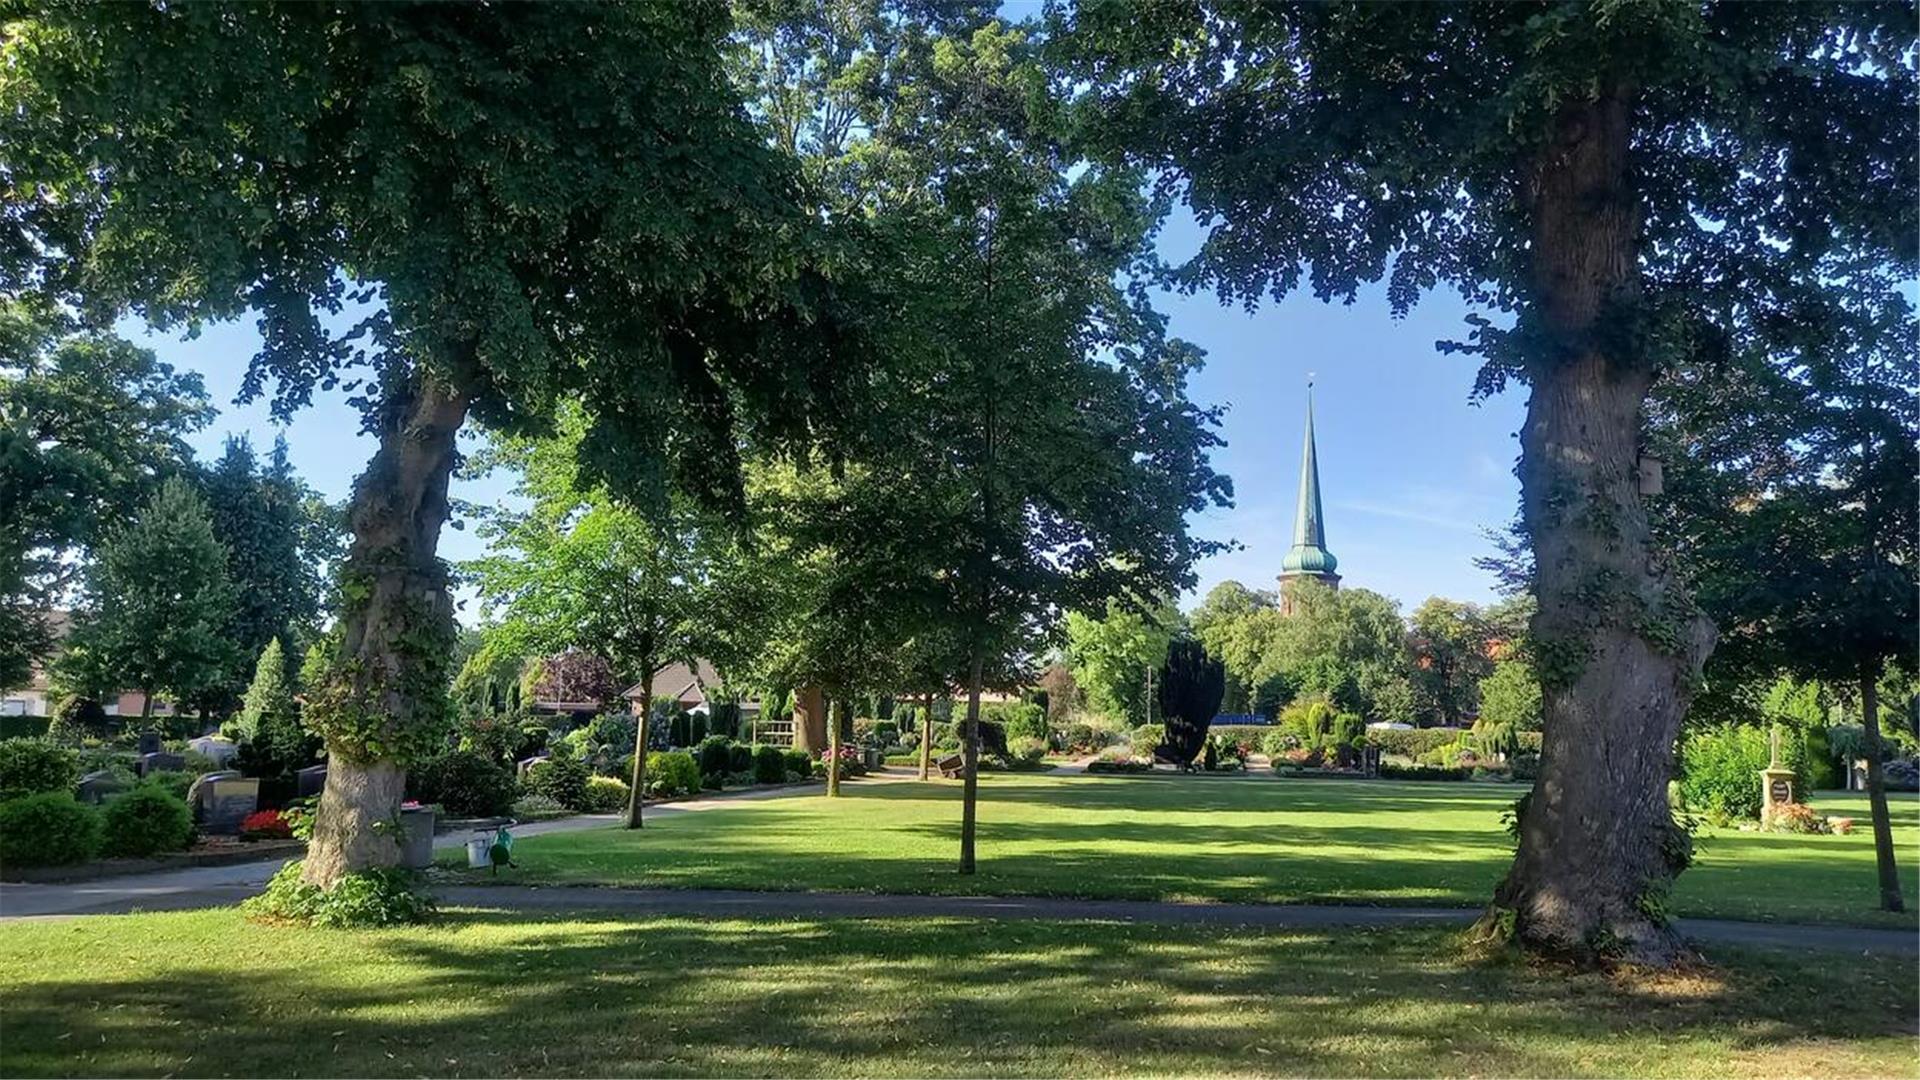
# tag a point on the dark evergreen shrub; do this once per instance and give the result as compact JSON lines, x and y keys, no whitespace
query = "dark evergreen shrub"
{"x":49,"y":829}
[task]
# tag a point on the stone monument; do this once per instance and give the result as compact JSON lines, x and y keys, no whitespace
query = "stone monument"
{"x":1776,"y":782}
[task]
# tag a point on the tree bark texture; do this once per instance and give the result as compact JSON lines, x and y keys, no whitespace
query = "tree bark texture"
{"x":640,"y":732}
{"x":384,"y":693}
{"x":970,"y":767}
{"x":833,"y":748}
{"x":810,"y":719}
{"x":926,"y":739}
{"x":1618,"y":643}
{"x":1890,"y":899}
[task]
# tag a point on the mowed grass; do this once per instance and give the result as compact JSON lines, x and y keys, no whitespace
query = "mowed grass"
{"x":490,"y":994}
{"x":1254,"y":838}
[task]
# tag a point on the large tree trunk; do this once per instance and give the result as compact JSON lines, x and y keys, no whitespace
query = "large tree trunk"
{"x":1890,"y":899}
{"x":970,"y":766}
{"x":926,"y":739}
{"x":640,"y":733}
{"x":809,"y":719}
{"x":384,"y":694}
{"x":838,"y":712}
{"x":1617,"y":643}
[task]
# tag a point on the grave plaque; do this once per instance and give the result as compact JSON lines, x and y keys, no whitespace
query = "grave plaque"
{"x":226,"y":802}
{"x":96,"y":786}
{"x":149,"y":743}
{"x":148,"y":764}
{"x":310,"y":781}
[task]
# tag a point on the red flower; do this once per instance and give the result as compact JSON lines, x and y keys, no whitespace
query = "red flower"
{"x":266,"y":825}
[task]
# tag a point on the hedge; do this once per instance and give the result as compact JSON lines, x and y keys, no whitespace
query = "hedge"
{"x":1422,"y":772}
{"x":23,"y":727}
{"x":1412,"y":742}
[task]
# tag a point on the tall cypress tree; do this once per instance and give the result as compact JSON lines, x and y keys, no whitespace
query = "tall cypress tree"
{"x":1191,"y":687}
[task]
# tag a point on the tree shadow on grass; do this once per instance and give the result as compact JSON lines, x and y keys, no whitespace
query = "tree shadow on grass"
{"x":488,"y":993}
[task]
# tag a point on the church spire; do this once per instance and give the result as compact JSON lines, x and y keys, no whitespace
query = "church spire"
{"x":1309,"y":557}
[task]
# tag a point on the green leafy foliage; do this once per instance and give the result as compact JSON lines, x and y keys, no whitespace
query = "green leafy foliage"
{"x":158,"y":600}
{"x":1111,"y":656}
{"x":466,"y":783}
{"x":769,"y":765}
{"x":36,"y":766}
{"x":1720,"y":771}
{"x":1190,"y":688}
{"x":1510,"y":696}
{"x":146,"y":821}
{"x":366,"y":899}
{"x":605,"y":795}
{"x":562,"y":780}
{"x":674,"y":772}
{"x":89,"y":423}
{"x":49,"y":829}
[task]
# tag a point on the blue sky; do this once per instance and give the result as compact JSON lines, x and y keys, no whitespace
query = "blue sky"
{"x":1410,"y":471}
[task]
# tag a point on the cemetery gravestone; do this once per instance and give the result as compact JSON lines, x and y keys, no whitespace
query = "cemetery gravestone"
{"x":226,"y":802}
{"x":96,"y":786}
{"x":149,"y":764}
{"x":149,"y":743}
{"x":310,"y":781}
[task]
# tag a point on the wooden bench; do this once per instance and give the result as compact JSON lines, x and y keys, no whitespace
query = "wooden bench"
{"x":951,"y":766}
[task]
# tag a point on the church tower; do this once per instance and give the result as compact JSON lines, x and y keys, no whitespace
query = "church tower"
{"x":1308,"y":557}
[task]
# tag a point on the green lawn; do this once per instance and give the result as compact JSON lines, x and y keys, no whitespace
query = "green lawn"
{"x":1257,"y":838}
{"x":487,"y":994}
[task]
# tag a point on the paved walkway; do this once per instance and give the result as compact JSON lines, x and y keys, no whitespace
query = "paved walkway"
{"x":217,"y":886}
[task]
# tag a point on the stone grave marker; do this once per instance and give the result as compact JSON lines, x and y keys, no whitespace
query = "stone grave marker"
{"x":149,"y":743}
{"x":161,"y":761}
{"x":96,"y":786}
{"x":226,"y":802}
{"x":310,"y":781}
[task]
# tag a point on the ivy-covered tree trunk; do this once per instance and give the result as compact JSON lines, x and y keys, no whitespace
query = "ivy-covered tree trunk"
{"x":1619,"y":646}
{"x":382,"y":702}
{"x":638,"y":794}
{"x":1890,"y":899}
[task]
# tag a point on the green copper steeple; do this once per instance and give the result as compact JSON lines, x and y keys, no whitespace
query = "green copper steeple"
{"x":1309,"y":556}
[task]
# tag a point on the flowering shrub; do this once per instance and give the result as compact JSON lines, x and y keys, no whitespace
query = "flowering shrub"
{"x":851,"y":763}
{"x":266,"y":825}
{"x":1794,"y":818}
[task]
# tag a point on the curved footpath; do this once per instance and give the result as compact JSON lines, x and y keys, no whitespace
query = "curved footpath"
{"x":219,"y":886}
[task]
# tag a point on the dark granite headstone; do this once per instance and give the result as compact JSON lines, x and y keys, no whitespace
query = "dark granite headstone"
{"x":148,"y":764}
{"x":227,"y":802}
{"x":149,"y":743}
{"x":96,"y":786}
{"x":310,"y":781}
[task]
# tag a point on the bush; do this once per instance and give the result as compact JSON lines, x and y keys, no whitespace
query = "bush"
{"x":49,"y":829}
{"x":740,"y":758}
{"x":1417,"y":741}
{"x":171,"y":781}
{"x":798,"y":761}
{"x":466,"y":783}
{"x":715,"y":755}
{"x":146,"y":821}
{"x":1276,"y":743}
{"x":673,"y":772}
{"x":883,"y":733}
{"x":606,"y":795}
{"x":1147,"y":738}
{"x":563,"y":781}
{"x":1027,"y":751}
{"x":1422,"y":772}
{"x":1023,"y":720}
{"x":36,"y":767}
{"x":1900,"y":774}
{"x":769,"y":765}
{"x":385,"y":897}
{"x":1080,"y":737}
{"x":1720,"y":771}
{"x":1795,"y":818}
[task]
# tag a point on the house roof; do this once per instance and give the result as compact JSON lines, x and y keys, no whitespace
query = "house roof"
{"x":679,"y":681}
